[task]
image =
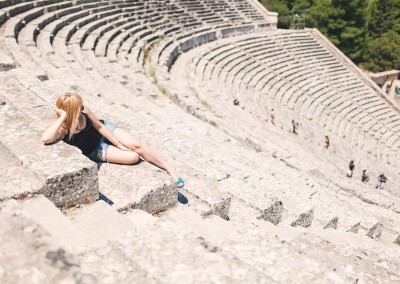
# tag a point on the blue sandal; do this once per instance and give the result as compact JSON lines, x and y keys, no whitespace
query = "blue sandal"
{"x":180,"y":183}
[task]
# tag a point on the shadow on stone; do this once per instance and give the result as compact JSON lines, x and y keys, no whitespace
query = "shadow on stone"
{"x":273,"y":214}
{"x":332,"y":223}
{"x":220,"y":209}
{"x":304,"y":220}
{"x":105,"y":199}
{"x":182,"y":199}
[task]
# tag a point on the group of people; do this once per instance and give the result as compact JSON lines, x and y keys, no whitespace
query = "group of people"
{"x":382,"y":179}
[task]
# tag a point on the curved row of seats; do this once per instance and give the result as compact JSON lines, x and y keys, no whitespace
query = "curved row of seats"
{"x":277,"y":66}
{"x":96,"y":28}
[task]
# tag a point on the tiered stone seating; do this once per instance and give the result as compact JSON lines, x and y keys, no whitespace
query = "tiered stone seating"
{"x":92,"y":43}
{"x":237,"y":57}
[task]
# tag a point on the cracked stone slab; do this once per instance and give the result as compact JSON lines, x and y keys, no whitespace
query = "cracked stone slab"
{"x":142,"y":186}
{"x":66,"y":177}
{"x":375,"y":232}
{"x":209,"y":192}
{"x":28,"y":250}
{"x":6,"y":63}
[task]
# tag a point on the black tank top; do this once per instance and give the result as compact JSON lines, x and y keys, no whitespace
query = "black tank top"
{"x":87,"y":139}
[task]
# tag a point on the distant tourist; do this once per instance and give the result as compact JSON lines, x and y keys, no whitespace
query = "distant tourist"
{"x":272,"y":117}
{"x":236,"y":100}
{"x":295,"y":126}
{"x":351,"y":169}
{"x":326,"y":142}
{"x":365,"y":176}
{"x":382,"y":179}
{"x":99,"y":140}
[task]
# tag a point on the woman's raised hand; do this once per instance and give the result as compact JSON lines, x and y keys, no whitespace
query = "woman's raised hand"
{"x":61,"y":113}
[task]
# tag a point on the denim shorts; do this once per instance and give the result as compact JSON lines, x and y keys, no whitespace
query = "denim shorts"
{"x":99,"y":154}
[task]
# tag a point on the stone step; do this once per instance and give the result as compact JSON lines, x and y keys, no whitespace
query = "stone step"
{"x":6,"y":63}
{"x":73,"y":181}
{"x":42,"y":211}
{"x":29,"y":253}
{"x":152,"y":190}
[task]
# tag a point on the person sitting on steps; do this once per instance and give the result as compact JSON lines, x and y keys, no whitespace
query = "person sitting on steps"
{"x":365,"y":176}
{"x":99,"y":140}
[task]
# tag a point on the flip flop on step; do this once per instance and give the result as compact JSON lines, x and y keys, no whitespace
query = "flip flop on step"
{"x":180,"y":183}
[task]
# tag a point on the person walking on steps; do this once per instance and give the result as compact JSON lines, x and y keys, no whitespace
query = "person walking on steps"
{"x":295,"y":125}
{"x":327,"y":142}
{"x":99,"y":140}
{"x":382,"y":179}
{"x":351,"y":169}
{"x":236,"y":100}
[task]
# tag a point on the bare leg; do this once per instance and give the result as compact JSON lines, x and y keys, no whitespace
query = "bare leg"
{"x":143,"y":150}
{"x":115,"y":155}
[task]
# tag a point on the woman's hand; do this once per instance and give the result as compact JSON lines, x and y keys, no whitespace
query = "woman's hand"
{"x":122,"y":147}
{"x":61,"y":113}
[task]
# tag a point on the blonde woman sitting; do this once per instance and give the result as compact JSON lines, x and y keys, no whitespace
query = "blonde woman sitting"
{"x":99,"y":140}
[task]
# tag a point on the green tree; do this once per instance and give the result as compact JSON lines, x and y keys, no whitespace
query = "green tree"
{"x":343,"y":22}
{"x":383,"y":16}
{"x":382,"y":53}
{"x":281,"y":8}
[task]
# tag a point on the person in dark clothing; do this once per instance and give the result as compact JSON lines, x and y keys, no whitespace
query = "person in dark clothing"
{"x":365,"y":176}
{"x":382,"y":179}
{"x":326,"y":142}
{"x":351,"y":169}
{"x":295,"y":125}
{"x":99,"y":140}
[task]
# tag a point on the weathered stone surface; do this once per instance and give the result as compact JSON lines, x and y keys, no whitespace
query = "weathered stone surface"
{"x":273,"y":214}
{"x":30,"y":255}
{"x":68,"y":178}
{"x":16,"y":180}
{"x":304,"y":220}
{"x":148,"y":191}
{"x":6,"y":63}
{"x":332,"y":223}
{"x":375,"y":232}
{"x":354,"y":229}
{"x":220,"y":209}
{"x":208,"y":191}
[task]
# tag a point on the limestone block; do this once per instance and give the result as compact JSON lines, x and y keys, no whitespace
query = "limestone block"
{"x":16,"y":180}
{"x":30,"y":255}
{"x":375,"y":232}
{"x":197,"y":41}
{"x":304,"y":220}
{"x":6,"y":63}
{"x":220,"y":209}
{"x":237,"y":30}
{"x":354,"y":229}
{"x":141,"y":186}
{"x":100,"y":223}
{"x":208,"y":190}
{"x":273,"y":214}
{"x":68,"y":178}
{"x":172,"y":256}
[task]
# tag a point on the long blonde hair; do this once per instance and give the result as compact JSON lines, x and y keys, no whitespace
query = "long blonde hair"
{"x":72,"y":104}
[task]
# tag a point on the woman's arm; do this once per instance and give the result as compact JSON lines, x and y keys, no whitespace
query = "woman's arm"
{"x":103,"y":130}
{"x":55,"y":131}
